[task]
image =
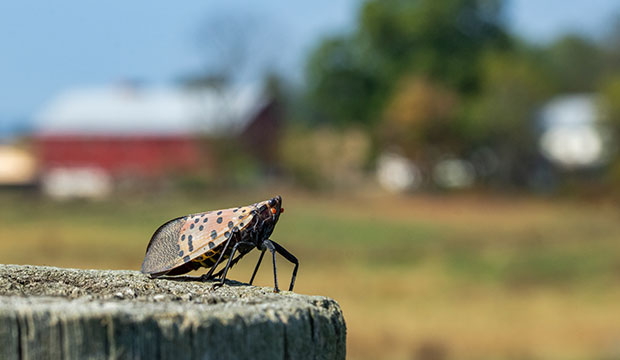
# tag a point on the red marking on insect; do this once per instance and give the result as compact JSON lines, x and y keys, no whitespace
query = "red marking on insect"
{"x":205,"y":239}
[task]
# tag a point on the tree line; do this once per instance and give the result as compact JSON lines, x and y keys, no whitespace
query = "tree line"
{"x":433,"y":78}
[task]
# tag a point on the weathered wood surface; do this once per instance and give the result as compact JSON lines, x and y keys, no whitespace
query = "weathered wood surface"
{"x":54,"y":313}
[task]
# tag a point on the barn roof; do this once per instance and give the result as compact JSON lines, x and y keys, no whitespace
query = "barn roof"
{"x":131,"y":110}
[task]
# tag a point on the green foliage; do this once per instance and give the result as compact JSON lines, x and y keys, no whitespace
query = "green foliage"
{"x":341,"y":85}
{"x":352,"y":78}
{"x":513,"y":88}
{"x":442,"y":40}
{"x":575,"y":63}
{"x":609,"y":106}
{"x":610,"y":103}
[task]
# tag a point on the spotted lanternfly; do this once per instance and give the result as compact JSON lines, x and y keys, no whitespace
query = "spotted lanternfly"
{"x":205,"y":239}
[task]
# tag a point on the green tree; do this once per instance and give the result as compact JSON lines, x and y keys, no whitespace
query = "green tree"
{"x":502,"y":117}
{"x":575,"y":63}
{"x":343,"y":87}
{"x":441,"y":39}
{"x":352,"y":78}
{"x":610,"y":104}
{"x":610,"y":114}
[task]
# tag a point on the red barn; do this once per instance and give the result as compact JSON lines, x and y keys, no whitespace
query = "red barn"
{"x":146,"y":156}
{"x":87,"y":139}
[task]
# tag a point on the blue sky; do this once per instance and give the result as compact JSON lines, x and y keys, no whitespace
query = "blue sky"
{"x":46,"y":47}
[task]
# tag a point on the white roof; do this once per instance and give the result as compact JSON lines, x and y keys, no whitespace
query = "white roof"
{"x":570,"y":110}
{"x":127,"y":110}
{"x":571,"y":136}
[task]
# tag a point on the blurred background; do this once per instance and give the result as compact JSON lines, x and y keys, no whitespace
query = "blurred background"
{"x":450,"y":169}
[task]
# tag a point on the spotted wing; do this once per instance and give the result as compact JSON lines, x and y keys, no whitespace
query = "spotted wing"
{"x":202,"y":232}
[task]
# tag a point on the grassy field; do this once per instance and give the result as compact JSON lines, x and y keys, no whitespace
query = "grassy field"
{"x":465,"y":277}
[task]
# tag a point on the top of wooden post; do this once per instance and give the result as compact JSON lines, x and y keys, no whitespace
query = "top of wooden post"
{"x":101,"y":313}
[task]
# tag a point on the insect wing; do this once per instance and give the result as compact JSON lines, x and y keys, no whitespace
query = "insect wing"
{"x":161,"y":253}
{"x":205,"y":231}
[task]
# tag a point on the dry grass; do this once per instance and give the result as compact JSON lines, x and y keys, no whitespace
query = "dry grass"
{"x":452,"y":277}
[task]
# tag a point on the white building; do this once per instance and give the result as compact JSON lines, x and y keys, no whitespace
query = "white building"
{"x":572,"y":136}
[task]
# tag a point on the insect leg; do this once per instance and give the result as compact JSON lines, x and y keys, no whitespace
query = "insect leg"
{"x":288,"y":256}
{"x":262,"y":253}
{"x":232,"y":254}
{"x":268,"y":244}
{"x":219,"y":259}
{"x":236,"y":260}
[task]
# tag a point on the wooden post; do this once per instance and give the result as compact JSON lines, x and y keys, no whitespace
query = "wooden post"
{"x":54,"y":313}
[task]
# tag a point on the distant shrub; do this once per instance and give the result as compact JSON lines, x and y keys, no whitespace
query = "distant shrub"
{"x":325,"y":157}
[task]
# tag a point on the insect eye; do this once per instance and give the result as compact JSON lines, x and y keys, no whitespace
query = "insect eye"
{"x":273,"y":211}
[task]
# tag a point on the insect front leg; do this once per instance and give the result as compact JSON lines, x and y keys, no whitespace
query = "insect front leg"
{"x":234,"y":249}
{"x":218,"y":274}
{"x":234,"y":233}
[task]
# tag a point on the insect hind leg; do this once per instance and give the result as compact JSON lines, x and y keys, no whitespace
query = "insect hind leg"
{"x":290,"y":257}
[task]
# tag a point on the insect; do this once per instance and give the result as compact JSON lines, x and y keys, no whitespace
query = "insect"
{"x":206,"y":239}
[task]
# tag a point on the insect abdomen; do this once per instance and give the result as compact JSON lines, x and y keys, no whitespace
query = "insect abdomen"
{"x":208,"y":259}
